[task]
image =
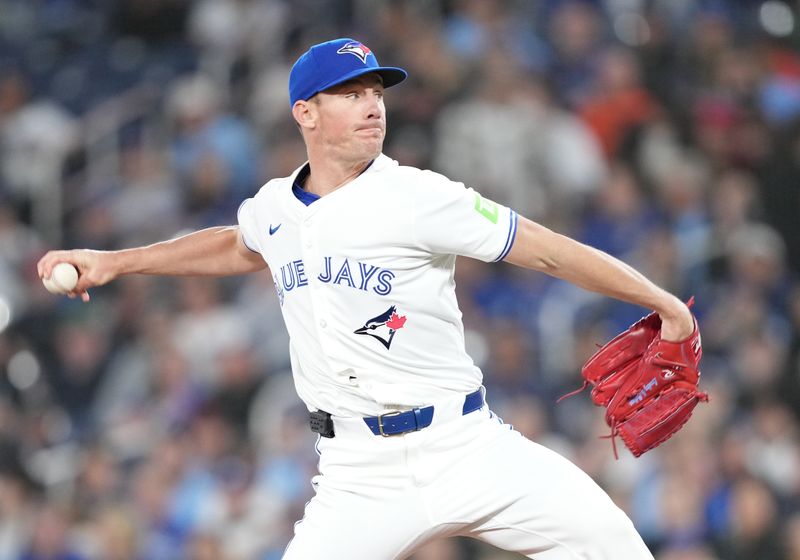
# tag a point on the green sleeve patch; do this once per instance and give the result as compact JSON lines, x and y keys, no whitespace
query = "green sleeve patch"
{"x":486,"y":208}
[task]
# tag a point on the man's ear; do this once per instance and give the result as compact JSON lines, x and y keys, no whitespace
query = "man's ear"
{"x":304,"y":114}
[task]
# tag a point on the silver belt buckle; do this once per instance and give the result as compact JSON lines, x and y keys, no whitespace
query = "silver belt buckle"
{"x":380,"y":422}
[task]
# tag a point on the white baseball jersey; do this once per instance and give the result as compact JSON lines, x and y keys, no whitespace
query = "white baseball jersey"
{"x":365,"y":280}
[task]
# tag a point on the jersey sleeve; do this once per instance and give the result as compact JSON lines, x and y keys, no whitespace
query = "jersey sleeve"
{"x":450,"y":218}
{"x":247,"y":224}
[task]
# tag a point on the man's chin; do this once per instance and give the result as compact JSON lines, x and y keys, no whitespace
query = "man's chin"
{"x":362,"y":151}
{"x":373,"y":151}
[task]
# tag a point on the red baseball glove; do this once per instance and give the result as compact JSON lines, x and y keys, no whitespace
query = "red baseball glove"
{"x":647,"y":385}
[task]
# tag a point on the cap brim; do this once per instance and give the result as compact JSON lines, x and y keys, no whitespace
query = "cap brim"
{"x":391,"y":76}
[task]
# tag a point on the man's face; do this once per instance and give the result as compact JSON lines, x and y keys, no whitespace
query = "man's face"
{"x":352,"y":118}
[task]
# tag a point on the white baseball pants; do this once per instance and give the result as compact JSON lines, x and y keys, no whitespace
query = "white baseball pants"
{"x":379,"y":498}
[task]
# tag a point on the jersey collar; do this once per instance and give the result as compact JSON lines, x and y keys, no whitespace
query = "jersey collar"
{"x":303,"y":171}
{"x":297,"y":186}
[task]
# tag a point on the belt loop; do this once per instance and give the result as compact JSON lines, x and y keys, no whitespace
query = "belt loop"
{"x":474,"y":401}
{"x":418,"y":424}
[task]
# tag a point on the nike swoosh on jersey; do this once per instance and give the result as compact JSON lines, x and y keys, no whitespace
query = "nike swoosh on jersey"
{"x":272,"y":230}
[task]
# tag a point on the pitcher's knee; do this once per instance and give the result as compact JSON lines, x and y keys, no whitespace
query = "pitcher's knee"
{"x":613,"y":536}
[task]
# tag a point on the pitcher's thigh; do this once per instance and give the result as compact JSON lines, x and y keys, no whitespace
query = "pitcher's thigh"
{"x":549,"y":509}
{"x":339,"y":524}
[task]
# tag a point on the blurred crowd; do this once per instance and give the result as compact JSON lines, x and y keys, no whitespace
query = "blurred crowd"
{"x":159,"y":421}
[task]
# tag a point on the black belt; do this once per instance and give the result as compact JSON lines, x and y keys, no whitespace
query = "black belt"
{"x":395,"y":423}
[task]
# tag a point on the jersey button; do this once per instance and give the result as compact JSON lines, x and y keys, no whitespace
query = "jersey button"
{"x":323,"y":323}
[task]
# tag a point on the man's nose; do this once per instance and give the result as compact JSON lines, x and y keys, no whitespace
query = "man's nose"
{"x":373,"y":106}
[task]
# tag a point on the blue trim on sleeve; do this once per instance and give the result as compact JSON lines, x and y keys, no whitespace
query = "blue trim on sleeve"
{"x":244,"y":241}
{"x":238,"y":210}
{"x":512,"y":234}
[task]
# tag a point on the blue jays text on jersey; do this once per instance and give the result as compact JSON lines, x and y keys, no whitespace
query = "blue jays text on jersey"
{"x":344,"y":272}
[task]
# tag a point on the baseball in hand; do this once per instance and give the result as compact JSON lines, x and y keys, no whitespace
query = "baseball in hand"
{"x":63,"y":279}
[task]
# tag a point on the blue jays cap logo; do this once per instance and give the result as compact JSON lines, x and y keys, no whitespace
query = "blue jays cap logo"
{"x":383,"y":327}
{"x":356,"y":49}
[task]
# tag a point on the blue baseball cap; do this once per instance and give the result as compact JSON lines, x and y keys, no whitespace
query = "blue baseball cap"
{"x":333,"y":62}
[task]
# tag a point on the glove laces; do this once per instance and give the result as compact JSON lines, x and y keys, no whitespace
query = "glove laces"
{"x":575,"y":392}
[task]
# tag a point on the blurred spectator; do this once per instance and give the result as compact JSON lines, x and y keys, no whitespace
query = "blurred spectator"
{"x":792,"y":537}
{"x":726,"y":127}
{"x":205,"y":546}
{"x":772,"y":450}
{"x":206,"y":327}
{"x":17,"y":510}
{"x":36,"y":136}
{"x":576,"y":35}
{"x":681,"y":195}
{"x":113,"y":535}
{"x":619,"y":215}
{"x":733,"y":203}
{"x":779,"y":95}
{"x":239,"y":382}
{"x":52,"y":537}
{"x":617,"y":105}
{"x":232,"y":33}
{"x":81,"y":354}
{"x":214,"y":152}
{"x":509,"y":141}
{"x":478,"y":26}
{"x":145,"y":206}
{"x":753,"y":522}
{"x":511,"y":366}
{"x":99,"y":483}
{"x":18,"y":242}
